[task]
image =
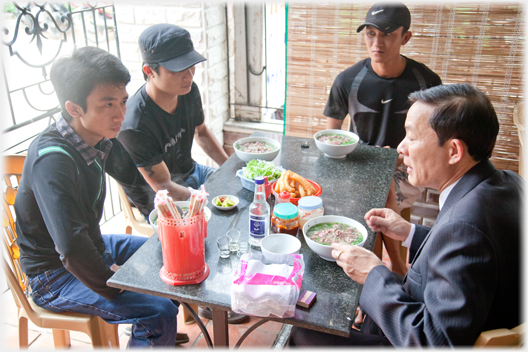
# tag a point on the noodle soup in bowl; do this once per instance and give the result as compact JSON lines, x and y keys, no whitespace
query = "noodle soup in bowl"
{"x":336,"y":144}
{"x":320,"y":232}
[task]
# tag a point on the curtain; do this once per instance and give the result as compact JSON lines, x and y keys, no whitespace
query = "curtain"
{"x":481,"y":44}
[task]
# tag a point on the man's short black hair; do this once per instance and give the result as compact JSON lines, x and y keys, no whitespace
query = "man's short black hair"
{"x":463,"y":112}
{"x":75,"y":77}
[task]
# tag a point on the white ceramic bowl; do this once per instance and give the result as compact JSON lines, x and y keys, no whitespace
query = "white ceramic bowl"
{"x":322,"y":250}
{"x":247,"y":157}
{"x":275,"y":246}
{"x":153,"y":216}
{"x":336,"y":151}
{"x":233,"y":198}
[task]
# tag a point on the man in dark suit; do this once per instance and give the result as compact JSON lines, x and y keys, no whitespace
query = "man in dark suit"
{"x":464,"y":274}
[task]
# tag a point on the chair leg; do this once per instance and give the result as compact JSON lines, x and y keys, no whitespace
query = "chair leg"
{"x":112,"y":335}
{"x":23,"y":340}
{"x":187,"y":316}
{"x":61,"y":338}
{"x":104,"y":334}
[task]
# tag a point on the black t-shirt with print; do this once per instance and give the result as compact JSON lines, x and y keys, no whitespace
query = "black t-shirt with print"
{"x":151,"y":135}
{"x":377,"y":106}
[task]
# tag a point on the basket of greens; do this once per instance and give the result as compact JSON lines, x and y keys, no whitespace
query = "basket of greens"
{"x":257,"y":167}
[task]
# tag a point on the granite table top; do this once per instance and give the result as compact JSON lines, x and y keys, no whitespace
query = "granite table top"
{"x":351,"y":186}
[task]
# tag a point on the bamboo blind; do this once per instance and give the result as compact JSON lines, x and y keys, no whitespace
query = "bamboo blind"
{"x":474,"y":43}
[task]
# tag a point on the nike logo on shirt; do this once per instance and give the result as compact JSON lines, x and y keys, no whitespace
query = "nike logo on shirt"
{"x":385,"y":101}
{"x":376,"y":12}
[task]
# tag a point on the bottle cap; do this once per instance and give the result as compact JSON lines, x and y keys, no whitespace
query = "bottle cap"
{"x":259,"y":180}
{"x":285,"y":195}
{"x":310,"y":203}
{"x":285,"y":211}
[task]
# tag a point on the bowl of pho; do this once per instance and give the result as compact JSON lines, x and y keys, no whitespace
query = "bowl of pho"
{"x":262,"y":148}
{"x":320,"y":232}
{"x":336,"y":144}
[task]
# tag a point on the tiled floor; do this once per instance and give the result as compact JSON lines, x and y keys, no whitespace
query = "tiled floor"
{"x":267,"y":336}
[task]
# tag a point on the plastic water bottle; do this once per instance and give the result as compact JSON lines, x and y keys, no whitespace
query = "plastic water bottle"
{"x":259,"y":214}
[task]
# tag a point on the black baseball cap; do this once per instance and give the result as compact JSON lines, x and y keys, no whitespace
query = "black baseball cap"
{"x":387,"y":17}
{"x":170,"y":46}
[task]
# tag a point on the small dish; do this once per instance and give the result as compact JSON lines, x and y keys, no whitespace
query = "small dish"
{"x":226,"y":197}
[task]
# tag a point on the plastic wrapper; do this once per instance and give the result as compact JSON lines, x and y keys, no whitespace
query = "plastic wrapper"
{"x":261,"y":288}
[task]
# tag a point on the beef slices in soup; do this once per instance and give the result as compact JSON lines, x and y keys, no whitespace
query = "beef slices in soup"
{"x":256,"y":147}
{"x":327,"y":233}
{"x":336,"y":139}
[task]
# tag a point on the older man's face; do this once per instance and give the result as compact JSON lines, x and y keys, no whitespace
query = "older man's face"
{"x":427,"y":163}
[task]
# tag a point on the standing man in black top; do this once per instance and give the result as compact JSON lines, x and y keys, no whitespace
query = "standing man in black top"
{"x":374,"y":93}
{"x":60,"y":202}
{"x":165,"y":116}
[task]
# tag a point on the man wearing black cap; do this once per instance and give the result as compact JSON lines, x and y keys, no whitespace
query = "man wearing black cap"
{"x":163,"y":118}
{"x":374,"y":93}
{"x":165,"y":115}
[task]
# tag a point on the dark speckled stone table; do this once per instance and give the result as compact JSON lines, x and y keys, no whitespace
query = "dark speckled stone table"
{"x":351,"y":186}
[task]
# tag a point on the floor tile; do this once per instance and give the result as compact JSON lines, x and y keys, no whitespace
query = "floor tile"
{"x":10,"y":336}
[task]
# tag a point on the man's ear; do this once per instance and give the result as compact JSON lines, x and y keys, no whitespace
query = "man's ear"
{"x":406,"y":37}
{"x":74,"y":109}
{"x":148,"y":71}
{"x":457,"y":150}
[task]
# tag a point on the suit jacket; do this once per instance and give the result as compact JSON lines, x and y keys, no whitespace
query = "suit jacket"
{"x":464,"y":277}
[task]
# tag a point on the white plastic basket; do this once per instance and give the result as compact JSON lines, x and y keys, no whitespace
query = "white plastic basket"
{"x":250,"y":184}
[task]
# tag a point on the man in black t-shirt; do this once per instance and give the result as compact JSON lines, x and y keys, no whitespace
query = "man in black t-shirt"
{"x":165,"y":116}
{"x":374,"y":93}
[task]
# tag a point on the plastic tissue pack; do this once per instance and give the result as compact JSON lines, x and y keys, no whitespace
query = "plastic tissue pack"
{"x":261,"y":288}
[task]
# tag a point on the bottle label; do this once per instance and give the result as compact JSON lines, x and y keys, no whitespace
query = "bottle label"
{"x":257,"y":226}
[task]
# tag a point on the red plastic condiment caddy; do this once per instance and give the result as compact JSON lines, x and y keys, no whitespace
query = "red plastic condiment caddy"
{"x":183,"y":250}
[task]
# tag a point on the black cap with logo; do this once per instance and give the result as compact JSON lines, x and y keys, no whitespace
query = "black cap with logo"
{"x":170,"y":46}
{"x":387,"y":17}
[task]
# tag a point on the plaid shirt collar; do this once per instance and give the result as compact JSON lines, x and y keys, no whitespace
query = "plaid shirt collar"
{"x":88,"y":152}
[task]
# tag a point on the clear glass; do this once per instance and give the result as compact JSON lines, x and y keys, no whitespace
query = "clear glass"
{"x":223,"y":246}
{"x":234,"y":236}
{"x":243,"y":248}
{"x":259,"y":217}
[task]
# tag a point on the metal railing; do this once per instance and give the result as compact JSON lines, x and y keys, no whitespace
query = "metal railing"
{"x":33,"y":37}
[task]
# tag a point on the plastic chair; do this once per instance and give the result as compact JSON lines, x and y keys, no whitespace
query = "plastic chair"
{"x":101,"y":333}
{"x":133,"y":218}
{"x":502,"y":337}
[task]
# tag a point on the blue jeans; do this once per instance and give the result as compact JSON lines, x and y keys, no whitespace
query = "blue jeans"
{"x":199,"y":176}
{"x":153,"y":318}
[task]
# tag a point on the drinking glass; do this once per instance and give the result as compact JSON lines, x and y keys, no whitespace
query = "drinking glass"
{"x":243,"y":248}
{"x":223,"y":246}
{"x":234,"y":236}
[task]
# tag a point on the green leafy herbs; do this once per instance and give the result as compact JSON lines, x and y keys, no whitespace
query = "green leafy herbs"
{"x":257,"y":167}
